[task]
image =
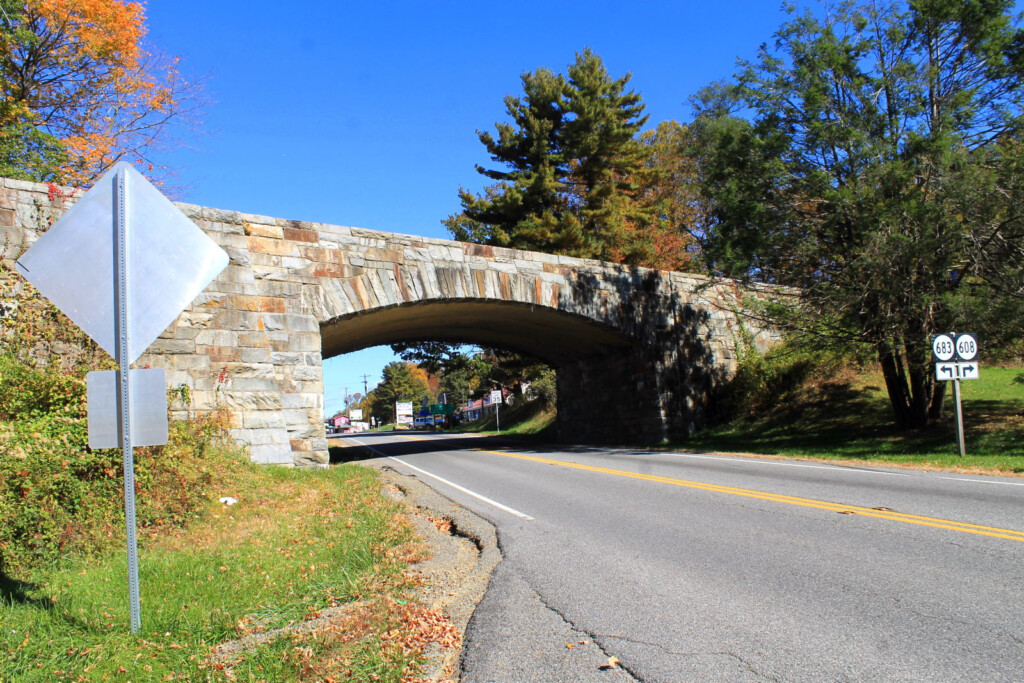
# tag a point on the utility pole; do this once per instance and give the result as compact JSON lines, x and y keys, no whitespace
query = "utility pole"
{"x":365,"y":390}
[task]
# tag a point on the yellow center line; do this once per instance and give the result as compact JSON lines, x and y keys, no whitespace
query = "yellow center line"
{"x":950,"y":525}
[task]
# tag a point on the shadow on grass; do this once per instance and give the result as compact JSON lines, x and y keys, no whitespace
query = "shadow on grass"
{"x":18,"y":592}
{"x":847,"y":422}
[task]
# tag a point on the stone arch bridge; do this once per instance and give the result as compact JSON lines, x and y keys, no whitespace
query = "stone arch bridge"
{"x":640,"y":354}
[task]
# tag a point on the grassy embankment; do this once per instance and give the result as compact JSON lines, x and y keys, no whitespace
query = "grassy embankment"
{"x":838,"y":413}
{"x":530,"y":419}
{"x":298,"y":545}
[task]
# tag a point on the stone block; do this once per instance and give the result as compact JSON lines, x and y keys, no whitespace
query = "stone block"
{"x":262,"y":304}
{"x":255,"y":384}
{"x":272,"y":454}
{"x":288,"y":358}
{"x":267,"y":245}
{"x":301,"y":234}
{"x":250,"y":370}
{"x":307,"y":372}
{"x":262,"y":419}
{"x":315,"y":459}
{"x":220,"y":354}
{"x":254,"y":355}
{"x":217,"y":338}
{"x":304,"y":341}
{"x":252,"y":400}
{"x":260,"y":230}
{"x":172,"y":346}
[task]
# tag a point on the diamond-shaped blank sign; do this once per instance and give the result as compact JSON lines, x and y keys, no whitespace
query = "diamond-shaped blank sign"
{"x":170,"y":261}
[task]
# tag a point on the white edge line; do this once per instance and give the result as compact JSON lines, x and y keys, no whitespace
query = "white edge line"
{"x":485,"y":499}
{"x":984,"y":481}
{"x":731,"y":458}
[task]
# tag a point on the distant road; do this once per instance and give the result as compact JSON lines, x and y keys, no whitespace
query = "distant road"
{"x":713,"y":568}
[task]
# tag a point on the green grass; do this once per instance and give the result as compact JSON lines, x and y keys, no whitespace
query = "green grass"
{"x":299,"y":541}
{"x":532,"y":419}
{"x":849,"y":418}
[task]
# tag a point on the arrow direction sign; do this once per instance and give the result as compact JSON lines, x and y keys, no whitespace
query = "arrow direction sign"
{"x":946,"y":371}
{"x":969,"y":370}
{"x":122,"y":263}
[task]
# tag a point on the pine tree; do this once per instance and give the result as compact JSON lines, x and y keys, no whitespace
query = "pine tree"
{"x":571,"y":162}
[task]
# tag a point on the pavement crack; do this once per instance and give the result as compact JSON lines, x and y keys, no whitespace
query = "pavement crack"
{"x":677,"y":653}
{"x":593,"y":638}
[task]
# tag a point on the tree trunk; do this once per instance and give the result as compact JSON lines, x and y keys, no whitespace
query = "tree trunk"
{"x":915,"y":400}
{"x":938,"y":402}
{"x":895,"y":385}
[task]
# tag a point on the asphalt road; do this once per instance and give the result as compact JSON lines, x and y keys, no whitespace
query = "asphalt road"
{"x":711,"y":568}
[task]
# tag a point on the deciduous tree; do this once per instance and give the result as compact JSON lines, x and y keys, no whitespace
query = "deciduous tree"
{"x":871,"y":158}
{"x":79,"y":91}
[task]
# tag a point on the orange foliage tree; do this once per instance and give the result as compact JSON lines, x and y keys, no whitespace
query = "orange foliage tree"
{"x":676,"y":210}
{"x":76,"y":82}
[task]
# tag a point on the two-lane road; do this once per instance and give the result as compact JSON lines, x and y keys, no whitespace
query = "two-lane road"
{"x":702,"y":568}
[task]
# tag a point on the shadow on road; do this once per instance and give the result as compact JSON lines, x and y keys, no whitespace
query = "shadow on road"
{"x":342,"y":452}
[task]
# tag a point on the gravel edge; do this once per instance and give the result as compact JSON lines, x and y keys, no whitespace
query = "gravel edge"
{"x":463,"y":555}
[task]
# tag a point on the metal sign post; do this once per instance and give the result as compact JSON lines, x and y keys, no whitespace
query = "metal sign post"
{"x":959,"y":418}
{"x":124,"y":392}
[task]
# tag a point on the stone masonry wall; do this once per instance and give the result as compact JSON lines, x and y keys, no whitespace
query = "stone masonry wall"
{"x":252,"y":341}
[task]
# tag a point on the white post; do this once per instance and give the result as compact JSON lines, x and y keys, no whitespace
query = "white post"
{"x":124,"y":393}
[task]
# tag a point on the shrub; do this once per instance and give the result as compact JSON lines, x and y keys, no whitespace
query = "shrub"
{"x":58,"y":497}
{"x":763,"y":381}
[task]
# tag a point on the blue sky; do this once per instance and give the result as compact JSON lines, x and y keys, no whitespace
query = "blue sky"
{"x":365,"y":113}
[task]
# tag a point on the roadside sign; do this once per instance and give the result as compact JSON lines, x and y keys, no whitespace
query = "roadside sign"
{"x":954,"y":347}
{"x":122,"y":264}
{"x":148,"y":411}
{"x":73,"y":263}
{"x":955,"y":357}
{"x":969,"y":370}
{"x":496,"y":396}
{"x":355,"y":414}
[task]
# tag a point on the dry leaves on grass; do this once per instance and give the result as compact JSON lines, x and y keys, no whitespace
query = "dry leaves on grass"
{"x":330,"y":652}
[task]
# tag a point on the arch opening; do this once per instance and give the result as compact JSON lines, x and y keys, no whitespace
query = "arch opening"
{"x":553,"y":336}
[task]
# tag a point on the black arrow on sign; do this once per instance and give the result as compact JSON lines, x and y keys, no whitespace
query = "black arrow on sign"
{"x":947,"y":370}
{"x":968,"y":368}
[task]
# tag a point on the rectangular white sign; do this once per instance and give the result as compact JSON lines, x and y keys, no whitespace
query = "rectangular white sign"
{"x":945,"y":372}
{"x":148,"y":409}
{"x":404,"y":408}
{"x":496,"y":396}
{"x":355,"y":414}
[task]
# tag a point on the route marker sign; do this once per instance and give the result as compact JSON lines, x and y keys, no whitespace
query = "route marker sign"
{"x":122,"y":263}
{"x":942,"y":348}
{"x":954,"y":347}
